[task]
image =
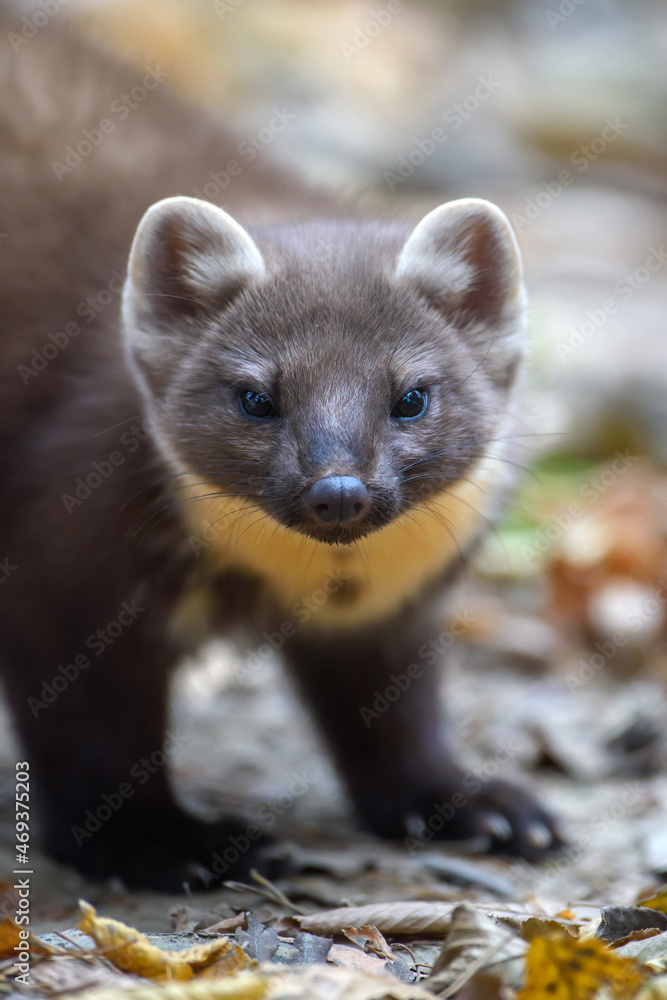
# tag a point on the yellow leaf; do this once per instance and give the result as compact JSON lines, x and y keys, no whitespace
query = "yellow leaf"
{"x":563,"y":968}
{"x":10,"y":939}
{"x":131,"y":951}
{"x":657,"y":902}
{"x":245,"y":986}
{"x":228,"y":963}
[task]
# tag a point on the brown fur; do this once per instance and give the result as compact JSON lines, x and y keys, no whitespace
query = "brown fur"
{"x":336,"y":334}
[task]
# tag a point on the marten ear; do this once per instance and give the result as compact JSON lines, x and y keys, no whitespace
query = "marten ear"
{"x":463,"y":257}
{"x":188,"y":259}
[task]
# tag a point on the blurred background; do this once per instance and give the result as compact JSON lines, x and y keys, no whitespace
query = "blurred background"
{"x":557,"y":111}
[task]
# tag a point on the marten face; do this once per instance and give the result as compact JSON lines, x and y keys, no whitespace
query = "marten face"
{"x":333,"y":376}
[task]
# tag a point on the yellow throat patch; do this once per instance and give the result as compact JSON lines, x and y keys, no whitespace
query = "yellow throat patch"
{"x":342,"y":585}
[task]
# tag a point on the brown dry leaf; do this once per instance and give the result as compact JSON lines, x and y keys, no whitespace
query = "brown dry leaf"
{"x":428,"y":919}
{"x":279,"y":983}
{"x":483,"y":987}
{"x":639,"y":935}
{"x":229,"y":962}
{"x":539,"y":927}
{"x":72,"y":976}
{"x":370,"y":939}
{"x":564,"y":968}
{"x":339,"y":983}
{"x":190,"y":918}
{"x":353,"y":958}
{"x":131,"y":951}
{"x":476,"y":942}
{"x":651,"y":952}
{"x":229,"y":924}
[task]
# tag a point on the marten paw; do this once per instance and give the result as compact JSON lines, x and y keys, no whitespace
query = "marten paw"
{"x":170,"y":852}
{"x":506,"y":819}
{"x":511,"y":819}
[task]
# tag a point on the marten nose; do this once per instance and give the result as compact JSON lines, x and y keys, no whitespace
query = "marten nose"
{"x":337,"y":499}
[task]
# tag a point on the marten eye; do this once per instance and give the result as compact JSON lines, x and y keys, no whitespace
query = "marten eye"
{"x":411,"y":406}
{"x":257,"y":404}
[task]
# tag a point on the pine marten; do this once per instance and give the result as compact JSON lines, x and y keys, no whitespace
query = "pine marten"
{"x":203,"y":424}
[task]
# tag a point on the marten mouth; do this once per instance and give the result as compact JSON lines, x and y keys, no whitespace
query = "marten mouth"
{"x":338,"y":534}
{"x":338,"y":511}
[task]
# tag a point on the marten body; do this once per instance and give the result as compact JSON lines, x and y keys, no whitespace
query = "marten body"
{"x":289,"y":410}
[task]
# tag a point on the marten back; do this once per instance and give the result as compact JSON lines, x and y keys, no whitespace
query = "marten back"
{"x":66,"y":229}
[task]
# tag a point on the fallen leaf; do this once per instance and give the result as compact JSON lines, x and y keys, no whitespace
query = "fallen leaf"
{"x":402,"y":918}
{"x":189,"y":918}
{"x":538,"y":927}
{"x":639,"y":935}
{"x":651,"y":952}
{"x":312,"y":948}
{"x":353,"y":958}
{"x":657,"y":902}
{"x":259,"y":942}
{"x":71,"y":976}
{"x":280,"y":983}
{"x":131,"y":951}
{"x":315,"y":982}
{"x":474,"y":943}
{"x":370,"y":939}
{"x":10,"y":938}
{"x":619,"y":921}
{"x":563,"y":968}
{"x":243,"y":986}
{"x":229,"y":924}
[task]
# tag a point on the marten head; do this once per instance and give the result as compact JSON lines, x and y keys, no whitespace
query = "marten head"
{"x":334,"y":375}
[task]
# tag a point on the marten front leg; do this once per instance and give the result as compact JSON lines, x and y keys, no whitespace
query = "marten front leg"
{"x":395,"y":760}
{"x":98,"y":749}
